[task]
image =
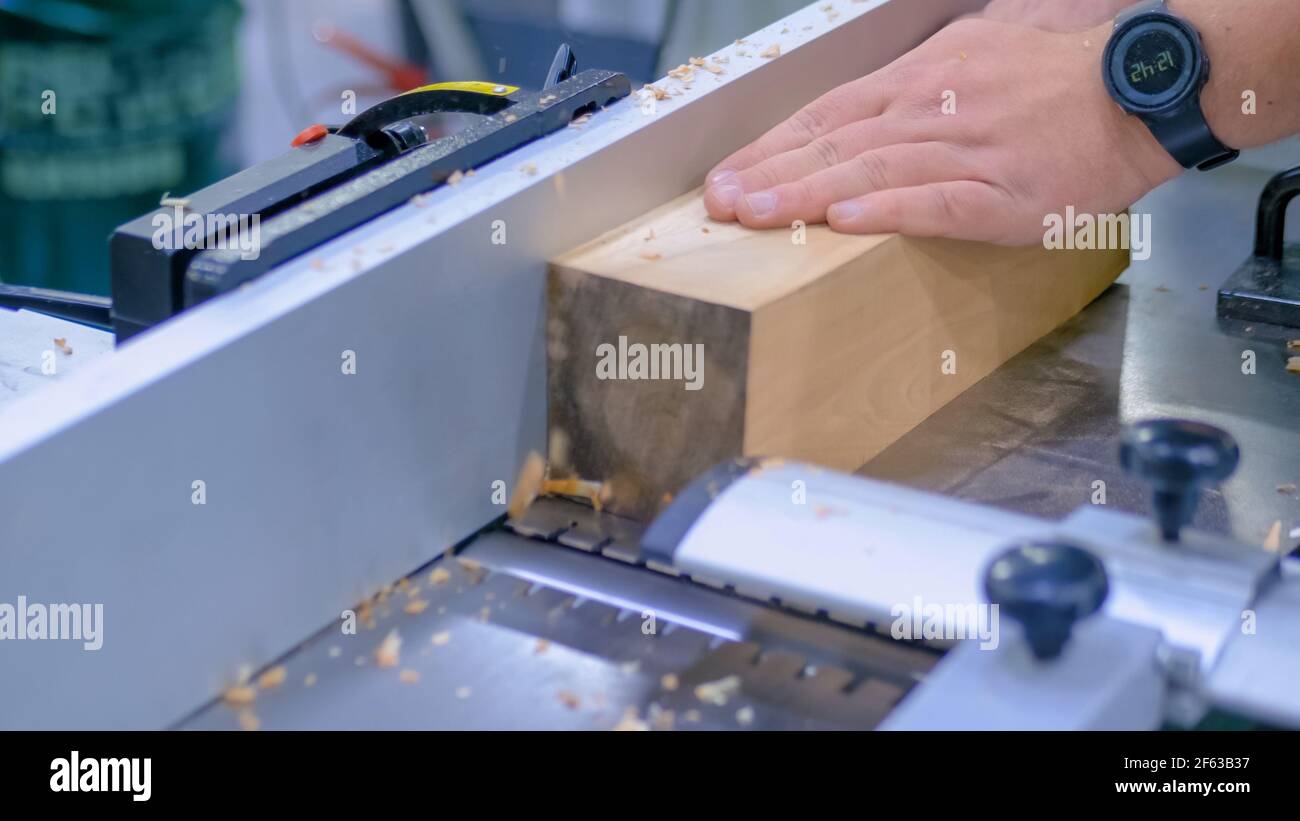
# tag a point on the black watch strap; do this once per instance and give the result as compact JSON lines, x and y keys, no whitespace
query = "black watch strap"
{"x":1185,"y":133}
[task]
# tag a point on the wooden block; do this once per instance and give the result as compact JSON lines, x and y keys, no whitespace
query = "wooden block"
{"x":825,"y":351}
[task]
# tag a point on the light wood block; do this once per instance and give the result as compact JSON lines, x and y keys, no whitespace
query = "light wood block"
{"x":826,"y":351}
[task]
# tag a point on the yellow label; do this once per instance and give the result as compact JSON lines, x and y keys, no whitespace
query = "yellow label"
{"x":474,"y":87}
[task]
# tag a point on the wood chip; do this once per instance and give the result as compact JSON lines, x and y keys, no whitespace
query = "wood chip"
{"x":1273,"y":541}
{"x":456,"y":177}
{"x":580,"y":121}
{"x":631,"y":722}
{"x":569,"y":699}
{"x":415,"y":607}
{"x":659,"y":93}
{"x":771,"y":51}
{"x":241,"y":695}
{"x":651,"y":256}
{"x":409,"y":677}
{"x":389,"y":652}
{"x":718,"y":692}
{"x":1293,"y":345}
{"x":1293,"y":365}
{"x":439,"y":575}
{"x":468,"y":565}
{"x":441,"y":638}
{"x":272,"y":678}
{"x":62,"y":344}
{"x":670,"y":682}
{"x":548,"y":99}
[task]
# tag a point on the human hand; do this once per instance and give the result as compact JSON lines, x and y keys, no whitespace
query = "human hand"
{"x":1030,"y":130}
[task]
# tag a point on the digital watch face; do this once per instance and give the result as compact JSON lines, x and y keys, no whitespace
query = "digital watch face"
{"x":1154,"y":62}
{"x":1152,"y":65}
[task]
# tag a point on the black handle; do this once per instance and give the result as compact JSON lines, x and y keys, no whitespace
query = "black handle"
{"x":83,"y":308}
{"x":1270,"y":226}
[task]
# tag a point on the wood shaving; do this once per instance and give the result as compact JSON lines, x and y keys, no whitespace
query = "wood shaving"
{"x":241,"y":695}
{"x":659,"y":93}
{"x":62,"y":344}
{"x":309,"y":680}
{"x":249,"y":722}
{"x":439,"y":575}
{"x":389,"y":651}
{"x":510,"y":118}
{"x":745,"y":716}
{"x":670,"y":682}
{"x":441,"y":638}
{"x":416,"y":606}
{"x":631,"y":722}
{"x":420,"y":200}
{"x":1273,"y":541}
{"x":542,"y":646}
{"x":718,"y":692}
{"x":456,"y":177}
{"x":272,"y":678}
{"x":579,"y":121}
{"x":771,"y":51}
{"x":651,"y":256}
{"x":1293,"y":345}
{"x":409,"y":677}
{"x":741,"y":41}
{"x":463,"y":692}
{"x":548,"y":99}
{"x":1293,"y":365}
{"x":569,"y":699}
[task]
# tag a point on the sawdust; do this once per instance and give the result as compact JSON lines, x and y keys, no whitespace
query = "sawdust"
{"x":272,"y":678}
{"x":409,"y":676}
{"x":241,"y":695}
{"x":569,"y":699}
{"x":547,"y":99}
{"x":659,"y":93}
{"x":771,"y":51}
{"x":439,"y":575}
{"x":580,"y":121}
{"x":416,"y":606}
{"x":631,"y":722}
{"x":389,"y":651}
{"x":456,"y":177}
{"x":718,"y":692}
{"x":441,"y":638}
{"x":669,"y":682}
{"x":62,"y":344}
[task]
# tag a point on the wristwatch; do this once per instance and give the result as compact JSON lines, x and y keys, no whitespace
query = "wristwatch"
{"x":1155,"y":67}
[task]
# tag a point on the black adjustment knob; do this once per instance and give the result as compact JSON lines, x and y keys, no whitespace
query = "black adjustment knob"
{"x":1047,"y":587}
{"x":1177,"y":458}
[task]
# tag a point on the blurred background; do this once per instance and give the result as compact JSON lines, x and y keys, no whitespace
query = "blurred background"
{"x":106,"y":105}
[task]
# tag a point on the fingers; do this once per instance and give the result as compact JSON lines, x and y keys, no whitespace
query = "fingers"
{"x":894,"y":166}
{"x":962,"y":209}
{"x":858,"y":100}
{"x":824,"y":152}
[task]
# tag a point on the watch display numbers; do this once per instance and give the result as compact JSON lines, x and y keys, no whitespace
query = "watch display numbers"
{"x":1154,"y":62}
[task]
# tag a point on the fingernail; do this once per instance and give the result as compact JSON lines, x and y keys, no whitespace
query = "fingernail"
{"x":726,"y":195}
{"x":844,"y":211}
{"x":762,"y":203}
{"x":720,"y":175}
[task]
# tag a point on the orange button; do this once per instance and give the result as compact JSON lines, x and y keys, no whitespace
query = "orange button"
{"x":310,"y":134}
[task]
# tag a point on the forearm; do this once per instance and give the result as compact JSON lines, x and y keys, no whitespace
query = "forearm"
{"x":1253,"y":48}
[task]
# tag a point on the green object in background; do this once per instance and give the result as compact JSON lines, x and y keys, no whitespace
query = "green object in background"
{"x":104,"y":106}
